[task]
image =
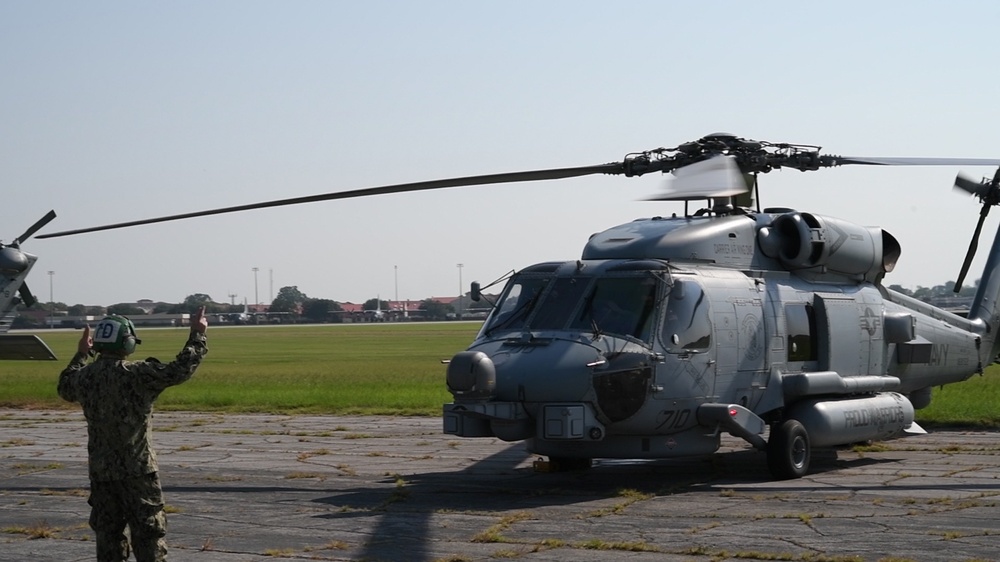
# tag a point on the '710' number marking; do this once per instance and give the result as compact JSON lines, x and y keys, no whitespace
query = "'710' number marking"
{"x":674,"y":419}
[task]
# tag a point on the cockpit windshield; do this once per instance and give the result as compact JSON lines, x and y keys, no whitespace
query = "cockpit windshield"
{"x":618,"y":304}
{"x":517,"y":303}
{"x":559,"y":303}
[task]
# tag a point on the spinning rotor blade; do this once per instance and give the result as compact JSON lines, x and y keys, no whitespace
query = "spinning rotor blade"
{"x":510,"y":177}
{"x":972,"y":187}
{"x":718,"y":176}
{"x":34,"y":228}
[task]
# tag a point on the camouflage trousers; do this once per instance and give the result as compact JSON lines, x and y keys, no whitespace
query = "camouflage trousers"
{"x":133,"y":502}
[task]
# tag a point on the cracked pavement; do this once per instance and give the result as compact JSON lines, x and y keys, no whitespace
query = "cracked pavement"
{"x":253,"y":488}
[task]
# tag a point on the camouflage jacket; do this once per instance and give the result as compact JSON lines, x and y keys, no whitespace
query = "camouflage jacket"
{"x":117,"y":396}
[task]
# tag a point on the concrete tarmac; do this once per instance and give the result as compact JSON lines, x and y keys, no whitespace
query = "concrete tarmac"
{"x":253,"y":488}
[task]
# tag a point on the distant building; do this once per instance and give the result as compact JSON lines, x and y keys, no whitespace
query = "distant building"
{"x":954,"y":304}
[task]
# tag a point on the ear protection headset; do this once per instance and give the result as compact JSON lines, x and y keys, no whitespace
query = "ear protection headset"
{"x":115,"y":333}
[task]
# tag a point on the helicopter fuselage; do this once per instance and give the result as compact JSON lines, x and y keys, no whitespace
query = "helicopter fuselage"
{"x":15,"y":264}
{"x":670,"y":331}
{"x":14,"y":267}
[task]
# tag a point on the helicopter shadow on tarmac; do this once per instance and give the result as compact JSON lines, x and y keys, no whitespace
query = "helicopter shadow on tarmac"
{"x":501,"y":484}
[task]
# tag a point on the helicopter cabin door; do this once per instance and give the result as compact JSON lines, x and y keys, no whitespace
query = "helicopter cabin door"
{"x":842,"y":345}
{"x":740,"y":350}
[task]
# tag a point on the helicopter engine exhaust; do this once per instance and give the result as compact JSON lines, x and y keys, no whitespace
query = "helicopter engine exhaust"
{"x":832,"y":422}
{"x":802,"y":241}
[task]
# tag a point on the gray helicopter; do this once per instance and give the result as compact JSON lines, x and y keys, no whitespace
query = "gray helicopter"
{"x":771,"y":325}
{"x":14,"y":268}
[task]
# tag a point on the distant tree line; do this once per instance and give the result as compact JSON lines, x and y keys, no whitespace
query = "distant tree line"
{"x":929,"y":294}
{"x":293,"y":301}
{"x":290,"y":300}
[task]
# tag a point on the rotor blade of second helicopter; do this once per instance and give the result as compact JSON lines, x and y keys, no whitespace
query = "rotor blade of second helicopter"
{"x":26,"y":297}
{"x":509,"y":177}
{"x":35,"y":227}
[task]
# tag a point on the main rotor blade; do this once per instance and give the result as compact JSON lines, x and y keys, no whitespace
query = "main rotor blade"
{"x":34,"y":228}
{"x":509,"y":177}
{"x":905,"y":161}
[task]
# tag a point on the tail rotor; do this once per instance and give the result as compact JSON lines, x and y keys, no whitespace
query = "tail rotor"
{"x":988,"y":192}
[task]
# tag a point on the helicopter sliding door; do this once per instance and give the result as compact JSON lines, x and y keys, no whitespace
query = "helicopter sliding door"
{"x":849,"y":334}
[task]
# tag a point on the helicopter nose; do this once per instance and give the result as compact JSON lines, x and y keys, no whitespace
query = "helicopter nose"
{"x":12,"y":260}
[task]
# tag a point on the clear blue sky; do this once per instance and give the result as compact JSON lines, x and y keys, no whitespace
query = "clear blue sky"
{"x":115,"y":111}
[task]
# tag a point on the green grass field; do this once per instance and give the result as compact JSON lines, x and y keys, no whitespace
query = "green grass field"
{"x":354,"y":369}
{"x":342,"y":369}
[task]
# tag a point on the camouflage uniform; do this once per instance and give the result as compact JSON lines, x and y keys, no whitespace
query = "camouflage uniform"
{"x":117,"y":396}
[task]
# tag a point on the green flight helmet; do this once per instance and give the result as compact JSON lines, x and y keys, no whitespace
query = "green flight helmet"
{"x":115,"y":334}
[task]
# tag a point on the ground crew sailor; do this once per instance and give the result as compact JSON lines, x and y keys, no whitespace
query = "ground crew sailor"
{"x":117,"y":396}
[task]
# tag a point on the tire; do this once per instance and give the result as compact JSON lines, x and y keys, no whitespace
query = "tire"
{"x":788,"y":451}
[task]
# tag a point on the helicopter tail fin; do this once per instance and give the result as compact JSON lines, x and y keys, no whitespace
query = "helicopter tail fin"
{"x":985,"y":309}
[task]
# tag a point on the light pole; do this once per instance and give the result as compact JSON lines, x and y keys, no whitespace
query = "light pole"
{"x":395,"y":279}
{"x":256,"y":300}
{"x":52,"y":302}
{"x":460,"y":266}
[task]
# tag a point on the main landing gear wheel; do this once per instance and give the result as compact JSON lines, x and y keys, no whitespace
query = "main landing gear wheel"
{"x":788,"y":451}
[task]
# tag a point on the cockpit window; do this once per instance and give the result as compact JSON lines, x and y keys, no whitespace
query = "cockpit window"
{"x":622,"y":305}
{"x":557,"y":306}
{"x":687,"y":327}
{"x":517,"y":303}
{"x":619,"y":306}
